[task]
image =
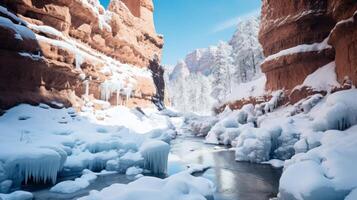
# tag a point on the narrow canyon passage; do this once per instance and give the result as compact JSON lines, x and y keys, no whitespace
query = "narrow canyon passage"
{"x":178,"y":100}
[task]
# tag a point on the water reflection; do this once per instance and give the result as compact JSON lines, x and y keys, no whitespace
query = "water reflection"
{"x":234,"y":180}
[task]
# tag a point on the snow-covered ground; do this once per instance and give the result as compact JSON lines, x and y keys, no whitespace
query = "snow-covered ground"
{"x":176,"y":187}
{"x":39,"y":142}
{"x":315,"y":137}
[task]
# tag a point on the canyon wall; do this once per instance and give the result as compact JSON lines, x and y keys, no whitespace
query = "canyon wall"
{"x":301,"y":36}
{"x":59,"y":50}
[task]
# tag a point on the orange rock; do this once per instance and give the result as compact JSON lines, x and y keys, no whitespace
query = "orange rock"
{"x":125,"y":32}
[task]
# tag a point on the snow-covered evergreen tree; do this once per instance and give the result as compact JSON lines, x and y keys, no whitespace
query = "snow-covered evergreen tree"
{"x":222,"y":72}
{"x":247,"y":51}
{"x":208,"y":76}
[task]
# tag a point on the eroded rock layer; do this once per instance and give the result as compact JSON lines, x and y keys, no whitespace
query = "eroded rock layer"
{"x":299,"y":37}
{"x":59,"y":50}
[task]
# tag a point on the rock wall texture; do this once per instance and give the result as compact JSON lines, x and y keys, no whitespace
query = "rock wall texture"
{"x":300,"y":36}
{"x":60,"y":50}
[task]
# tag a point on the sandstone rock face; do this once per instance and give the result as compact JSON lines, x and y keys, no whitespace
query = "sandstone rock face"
{"x":344,"y":39}
{"x":59,"y":50}
{"x":298,"y":37}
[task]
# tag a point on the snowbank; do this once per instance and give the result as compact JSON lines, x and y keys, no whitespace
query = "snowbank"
{"x":17,"y":195}
{"x":254,"y":88}
{"x":300,"y":49}
{"x":75,"y":185}
{"x":176,"y":187}
{"x":48,"y":140}
{"x":328,"y":170}
{"x":323,"y":79}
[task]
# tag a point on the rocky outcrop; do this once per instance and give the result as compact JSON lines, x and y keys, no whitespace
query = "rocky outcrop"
{"x":344,"y":39}
{"x":59,"y":50}
{"x":299,"y":37}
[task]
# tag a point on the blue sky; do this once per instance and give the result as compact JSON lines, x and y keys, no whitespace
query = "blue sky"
{"x":191,"y":24}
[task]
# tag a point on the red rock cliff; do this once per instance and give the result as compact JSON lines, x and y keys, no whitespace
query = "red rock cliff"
{"x":59,"y":50}
{"x":325,"y":29}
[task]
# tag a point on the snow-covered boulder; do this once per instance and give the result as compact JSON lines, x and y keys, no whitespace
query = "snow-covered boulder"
{"x":339,"y":112}
{"x":200,"y":126}
{"x":17,"y":195}
{"x":253,"y":145}
{"x":176,"y":187}
{"x":325,"y":172}
{"x":77,"y":184}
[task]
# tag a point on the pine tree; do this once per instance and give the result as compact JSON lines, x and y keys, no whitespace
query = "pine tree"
{"x":222,"y":80}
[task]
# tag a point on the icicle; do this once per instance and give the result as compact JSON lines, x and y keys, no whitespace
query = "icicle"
{"x":79,"y":61}
{"x":43,"y":166}
{"x":118,"y":95}
{"x":128,"y":92}
{"x":155,"y":155}
{"x":86,"y":85}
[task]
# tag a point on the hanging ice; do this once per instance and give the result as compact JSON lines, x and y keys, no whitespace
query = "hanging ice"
{"x":86,"y":85}
{"x":79,"y":61}
{"x":42,"y":164}
{"x":155,"y":155}
{"x":109,"y":87}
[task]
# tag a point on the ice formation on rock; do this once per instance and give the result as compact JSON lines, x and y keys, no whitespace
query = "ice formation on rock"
{"x":155,"y":155}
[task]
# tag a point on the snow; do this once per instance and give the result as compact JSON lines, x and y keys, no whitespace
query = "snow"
{"x":219,"y":74}
{"x":131,"y":171}
{"x":155,"y":155}
{"x":254,"y":88}
{"x":328,"y":169}
{"x":300,"y":49}
{"x":76,"y":141}
{"x":273,"y":102}
{"x":120,"y":76}
{"x":12,"y":16}
{"x":194,"y":168}
{"x":17,"y":195}
{"x":21,"y":32}
{"x":323,"y":79}
{"x":352,"y":195}
{"x":46,"y":29}
{"x":77,"y":184}
{"x":338,"y":112}
{"x":276,"y":163}
{"x":314,"y":140}
{"x":176,"y":187}
{"x":254,"y":145}
{"x":32,"y":56}
{"x":5,"y":186}
{"x":199,"y":125}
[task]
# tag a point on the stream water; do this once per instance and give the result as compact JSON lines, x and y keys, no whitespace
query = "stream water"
{"x":234,"y":180}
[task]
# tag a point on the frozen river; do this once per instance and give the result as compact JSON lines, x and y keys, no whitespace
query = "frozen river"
{"x":234,"y":180}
